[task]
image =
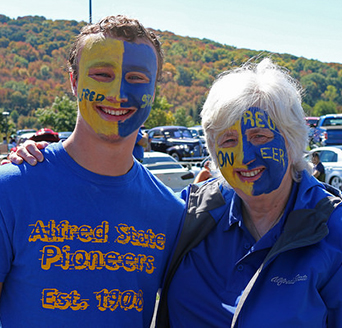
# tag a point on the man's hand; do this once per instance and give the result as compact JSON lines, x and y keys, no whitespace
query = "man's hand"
{"x":29,"y":152}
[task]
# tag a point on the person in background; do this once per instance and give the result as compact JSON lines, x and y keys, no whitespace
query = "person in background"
{"x":318,"y":169}
{"x":140,"y":144}
{"x":260,"y":246}
{"x":86,"y":235}
{"x":147,"y":148}
{"x":12,"y":143}
{"x":204,"y":174}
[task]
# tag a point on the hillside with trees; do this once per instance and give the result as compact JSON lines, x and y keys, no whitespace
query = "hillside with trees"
{"x":35,"y":91}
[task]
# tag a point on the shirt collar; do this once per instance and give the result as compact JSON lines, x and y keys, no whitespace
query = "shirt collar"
{"x":235,"y":217}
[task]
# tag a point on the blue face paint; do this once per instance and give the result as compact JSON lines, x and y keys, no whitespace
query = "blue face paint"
{"x":116,"y":85}
{"x":137,"y":58}
{"x":264,"y":149}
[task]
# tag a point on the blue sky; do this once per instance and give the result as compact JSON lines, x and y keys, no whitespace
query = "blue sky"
{"x":308,"y":28}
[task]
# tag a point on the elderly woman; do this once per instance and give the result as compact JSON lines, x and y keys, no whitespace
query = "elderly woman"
{"x":263,"y":246}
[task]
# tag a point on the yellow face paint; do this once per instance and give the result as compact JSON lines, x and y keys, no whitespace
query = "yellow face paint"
{"x":116,"y":84}
{"x":100,"y":54}
{"x":229,"y":152}
{"x":252,"y":154}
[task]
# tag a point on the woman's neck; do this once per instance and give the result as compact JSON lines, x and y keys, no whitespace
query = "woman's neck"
{"x":262,"y":213}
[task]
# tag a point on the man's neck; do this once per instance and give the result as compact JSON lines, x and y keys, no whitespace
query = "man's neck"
{"x":111,"y":158}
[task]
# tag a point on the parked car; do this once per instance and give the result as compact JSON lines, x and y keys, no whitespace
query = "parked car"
{"x":25,"y":136}
{"x":178,"y":142}
{"x":168,"y":170}
{"x":19,"y":133}
{"x":64,"y":135}
{"x":197,"y":132}
{"x":331,"y":158}
{"x":311,"y":120}
{"x":328,"y":131}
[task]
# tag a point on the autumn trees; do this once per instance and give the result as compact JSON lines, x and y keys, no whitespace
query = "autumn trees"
{"x":34,"y":78}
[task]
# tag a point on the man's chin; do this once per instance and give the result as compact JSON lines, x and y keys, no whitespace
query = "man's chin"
{"x":113,"y":138}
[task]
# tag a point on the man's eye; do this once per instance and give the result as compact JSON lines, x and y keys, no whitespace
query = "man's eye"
{"x":136,"y":77}
{"x":103,"y":74}
{"x":100,"y":75}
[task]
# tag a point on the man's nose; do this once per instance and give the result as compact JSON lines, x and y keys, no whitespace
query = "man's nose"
{"x":117,"y":99}
{"x":116,"y":92}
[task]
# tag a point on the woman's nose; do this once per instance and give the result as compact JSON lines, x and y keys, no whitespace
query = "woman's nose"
{"x":248,"y":153}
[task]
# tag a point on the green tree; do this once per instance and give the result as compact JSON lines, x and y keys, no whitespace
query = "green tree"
{"x":27,"y":122}
{"x":307,"y":109}
{"x":181,"y":118}
{"x":14,"y":116}
{"x":160,"y":113}
{"x":330,"y":93}
{"x":61,"y":116}
{"x":184,"y":76}
{"x":323,"y":107}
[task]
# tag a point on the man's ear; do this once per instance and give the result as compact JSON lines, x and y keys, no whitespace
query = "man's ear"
{"x":73,"y":83}
{"x":154,"y":95}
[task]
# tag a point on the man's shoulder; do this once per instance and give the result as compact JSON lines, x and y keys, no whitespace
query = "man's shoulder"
{"x":10,"y":171}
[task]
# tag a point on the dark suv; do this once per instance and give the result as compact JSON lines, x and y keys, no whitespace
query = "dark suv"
{"x":178,"y":142}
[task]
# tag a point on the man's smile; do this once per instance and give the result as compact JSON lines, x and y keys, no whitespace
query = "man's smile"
{"x":111,"y":113}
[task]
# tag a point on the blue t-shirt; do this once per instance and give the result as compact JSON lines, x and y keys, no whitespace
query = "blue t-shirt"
{"x":78,"y":249}
{"x":320,"y":168}
{"x":138,"y":151}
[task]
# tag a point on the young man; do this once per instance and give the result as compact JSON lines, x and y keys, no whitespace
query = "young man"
{"x":86,"y":235}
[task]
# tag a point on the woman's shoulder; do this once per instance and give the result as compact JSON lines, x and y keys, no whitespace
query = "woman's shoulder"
{"x":334,"y":223}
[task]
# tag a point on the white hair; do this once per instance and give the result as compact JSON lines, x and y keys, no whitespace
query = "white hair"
{"x":264,"y":85}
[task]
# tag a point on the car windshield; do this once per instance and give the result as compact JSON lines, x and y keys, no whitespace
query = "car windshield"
{"x":332,"y":122}
{"x":161,"y":163}
{"x":178,"y":134}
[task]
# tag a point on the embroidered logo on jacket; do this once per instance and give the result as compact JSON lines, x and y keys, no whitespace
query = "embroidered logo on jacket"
{"x":285,"y":281}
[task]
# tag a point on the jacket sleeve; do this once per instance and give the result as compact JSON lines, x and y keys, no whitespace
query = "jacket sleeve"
{"x":332,"y":296}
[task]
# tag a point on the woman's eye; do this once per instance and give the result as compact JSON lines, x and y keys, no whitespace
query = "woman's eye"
{"x":230,"y":143}
{"x":227,"y":141}
{"x":260,"y":139}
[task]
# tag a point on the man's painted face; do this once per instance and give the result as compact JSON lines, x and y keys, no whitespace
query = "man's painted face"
{"x":116,"y":84}
{"x":252,"y":154}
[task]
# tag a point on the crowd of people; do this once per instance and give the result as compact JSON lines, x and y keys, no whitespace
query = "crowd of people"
{"x":259,"y":246}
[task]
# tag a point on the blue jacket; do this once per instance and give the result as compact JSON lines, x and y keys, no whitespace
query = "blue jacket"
{"x":299,"y":284}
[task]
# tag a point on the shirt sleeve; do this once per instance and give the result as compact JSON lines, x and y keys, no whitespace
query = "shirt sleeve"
{"x":139,"y":136}
{"x":6,"y":250}
{"x":320,"y":168}
{"x":332,"y":296}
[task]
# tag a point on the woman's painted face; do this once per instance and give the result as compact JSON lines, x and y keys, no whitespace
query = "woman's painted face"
{"x":116,"y":84}
{"x":252,"y":154}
